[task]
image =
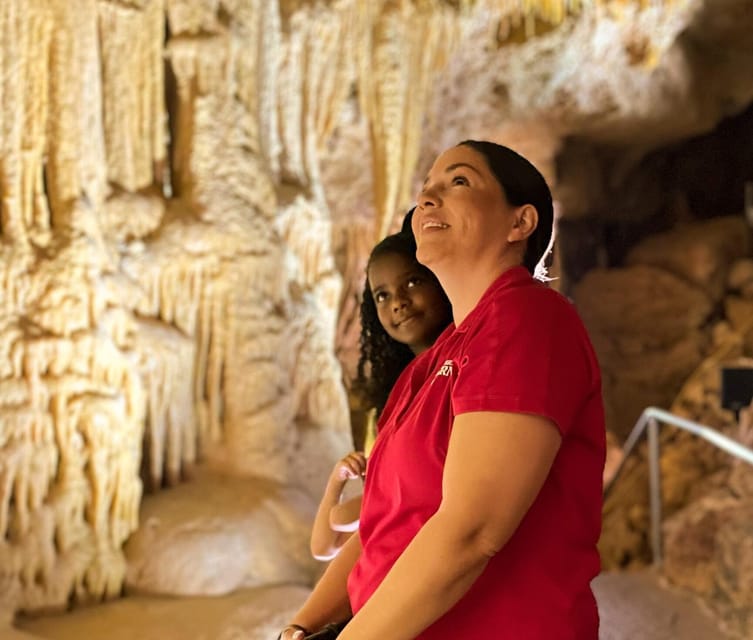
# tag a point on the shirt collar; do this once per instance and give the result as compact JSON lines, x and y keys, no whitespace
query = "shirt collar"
{"x":513,"y":277}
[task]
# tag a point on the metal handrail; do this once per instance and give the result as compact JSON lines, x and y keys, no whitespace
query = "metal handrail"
{"x":650,"y":420}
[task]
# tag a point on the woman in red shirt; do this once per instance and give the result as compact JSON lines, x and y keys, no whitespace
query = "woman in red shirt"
{"x":482,"y":504}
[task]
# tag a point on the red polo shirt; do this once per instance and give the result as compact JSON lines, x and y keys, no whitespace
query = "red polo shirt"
{"x":522,"y":349}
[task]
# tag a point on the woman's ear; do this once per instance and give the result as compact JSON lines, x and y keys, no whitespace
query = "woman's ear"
{"x":525,"y":223}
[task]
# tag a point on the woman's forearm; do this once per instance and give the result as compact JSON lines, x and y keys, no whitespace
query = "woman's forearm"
{"x":329,"y":601}
{"x":495,"y":467}
{"x":432,"y":574}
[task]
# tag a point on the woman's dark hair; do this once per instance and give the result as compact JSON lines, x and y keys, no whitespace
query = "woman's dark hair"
{"x":382,"y":358}
{"x":522,"y":183}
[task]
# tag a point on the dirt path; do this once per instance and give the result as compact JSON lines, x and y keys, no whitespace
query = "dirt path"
{"x":632,"y":607}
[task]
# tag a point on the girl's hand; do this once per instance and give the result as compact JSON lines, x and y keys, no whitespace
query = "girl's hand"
{"x":292,"y":632}
{"x":350,"y":467}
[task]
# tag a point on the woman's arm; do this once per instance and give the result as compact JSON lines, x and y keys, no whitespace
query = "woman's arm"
{"x":496,"y":464}
{"x":328,"y":601}
{"x":326,"y":540}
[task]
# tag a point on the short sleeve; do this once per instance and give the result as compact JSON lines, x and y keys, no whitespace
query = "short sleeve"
{"x":528,"y":353}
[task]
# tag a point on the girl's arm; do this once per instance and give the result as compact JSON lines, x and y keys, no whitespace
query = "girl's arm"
{"x":346,"y":516}
{"x":327,"y":539}
{"x":328,"y":601}
{"x":496,"y":464}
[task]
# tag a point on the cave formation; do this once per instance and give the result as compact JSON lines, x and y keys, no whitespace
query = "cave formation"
{"x":188,"y":192}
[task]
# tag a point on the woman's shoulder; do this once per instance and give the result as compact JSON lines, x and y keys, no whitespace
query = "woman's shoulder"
{"x":533,"y":299}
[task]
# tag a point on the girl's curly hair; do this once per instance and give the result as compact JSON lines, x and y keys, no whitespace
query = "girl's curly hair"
{"x":382,"y":358}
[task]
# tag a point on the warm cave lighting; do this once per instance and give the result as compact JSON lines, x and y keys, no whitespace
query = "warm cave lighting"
{"x":749,"y":202}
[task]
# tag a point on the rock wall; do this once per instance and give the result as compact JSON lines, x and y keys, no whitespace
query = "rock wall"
{"x":706,"y":494}
{"x":650,"y":320}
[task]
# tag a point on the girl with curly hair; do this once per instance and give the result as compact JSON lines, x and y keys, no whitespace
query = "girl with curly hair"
{"x":403,"y":311}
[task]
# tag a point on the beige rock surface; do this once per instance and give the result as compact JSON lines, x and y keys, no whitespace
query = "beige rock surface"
{"x":740,"y":275}
{"x":642,"y":319}
{"x":639,"y":605}
{"x":218,"y":534}
{"x":701,"y":253}
{"x":706,"y":498}
{"x":614,"y":74}
{"x":707,"y":520}
{"x":708,"y":555}
{"x":708,"y":549}
{"x":161,"y":302}
{"x":7,"y":633}
{"x":250,"y":614}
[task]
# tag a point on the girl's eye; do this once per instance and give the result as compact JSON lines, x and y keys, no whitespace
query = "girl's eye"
{"x":460,"y":180}
{"x":412,"y":282}
{"x":380,"y":296}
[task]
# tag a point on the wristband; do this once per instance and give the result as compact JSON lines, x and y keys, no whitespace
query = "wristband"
{"x":297,"y":627}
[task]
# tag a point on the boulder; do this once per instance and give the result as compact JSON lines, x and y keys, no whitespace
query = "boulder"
{"x":700,"y":253}
{"x":740,"y":277}
{"x":646,"y":325}
{"x":218,"y":534}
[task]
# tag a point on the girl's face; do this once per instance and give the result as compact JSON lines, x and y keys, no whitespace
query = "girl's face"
{"x":409,"y":302}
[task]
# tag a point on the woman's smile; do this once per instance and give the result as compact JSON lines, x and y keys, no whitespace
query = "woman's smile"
{"x":433,"y":225}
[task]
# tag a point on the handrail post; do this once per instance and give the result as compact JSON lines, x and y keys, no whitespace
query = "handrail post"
{"x":654,"y":476}
{"x":650,"y":420}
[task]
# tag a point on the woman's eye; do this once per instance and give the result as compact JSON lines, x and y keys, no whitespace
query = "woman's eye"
{"x":460,"y":180}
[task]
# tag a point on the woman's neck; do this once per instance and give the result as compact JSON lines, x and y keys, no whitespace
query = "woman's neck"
{"x":466,"y":285}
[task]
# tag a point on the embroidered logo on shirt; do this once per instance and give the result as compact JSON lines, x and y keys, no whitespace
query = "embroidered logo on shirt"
{"x":445,"y":369}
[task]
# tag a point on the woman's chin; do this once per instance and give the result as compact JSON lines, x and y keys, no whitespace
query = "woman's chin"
{"x":429,"y":255}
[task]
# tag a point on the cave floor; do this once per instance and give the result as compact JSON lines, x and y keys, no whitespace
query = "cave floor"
{"x":632,"y":607}
{"x":636,"y":607}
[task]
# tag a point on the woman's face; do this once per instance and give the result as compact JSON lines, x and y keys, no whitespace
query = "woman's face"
{"x":409,"y":302}
{"x":461,"y":211}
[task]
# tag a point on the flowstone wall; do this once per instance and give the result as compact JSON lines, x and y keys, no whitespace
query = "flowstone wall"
{"x":168,"y":290}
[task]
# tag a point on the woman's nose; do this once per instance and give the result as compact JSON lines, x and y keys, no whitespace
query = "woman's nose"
{"x":428,"y":197}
